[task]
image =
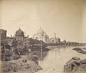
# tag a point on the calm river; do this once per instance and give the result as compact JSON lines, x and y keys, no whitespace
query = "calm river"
{"x":53,"y":61}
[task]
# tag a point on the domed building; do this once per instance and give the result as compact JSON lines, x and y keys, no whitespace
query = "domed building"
{"x":55,"y":40}
{"x":19,"y":35}
{"x":41,"y":35}
{"x":40,"y":32}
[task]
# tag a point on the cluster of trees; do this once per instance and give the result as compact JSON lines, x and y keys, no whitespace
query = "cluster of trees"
{"x":18,"y":48}
{"x":37,"y":42}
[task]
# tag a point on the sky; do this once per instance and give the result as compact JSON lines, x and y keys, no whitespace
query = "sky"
{"x":66,"y":18}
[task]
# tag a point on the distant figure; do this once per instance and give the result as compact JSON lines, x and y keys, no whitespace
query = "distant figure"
{"x":29,"y":50}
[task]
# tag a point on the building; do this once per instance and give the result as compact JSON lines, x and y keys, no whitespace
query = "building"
{"x":2,"y":34}
{"x":41,"y":35}
{"x":54,"y":40}
{"x":4,"y":38}
{"x":19,"y":36}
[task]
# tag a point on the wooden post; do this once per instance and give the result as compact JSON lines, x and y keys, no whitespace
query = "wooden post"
{"x":41,"y":48}
{"x":41,"y":52}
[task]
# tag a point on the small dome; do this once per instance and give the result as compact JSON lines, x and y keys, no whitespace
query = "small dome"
{"x":40,"y":31}
{"x":19,"y":33}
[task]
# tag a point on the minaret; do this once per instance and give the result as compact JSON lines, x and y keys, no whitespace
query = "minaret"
{"x":28,"y":36}
{"x":55,"y":35}
{"x":40,"y":27}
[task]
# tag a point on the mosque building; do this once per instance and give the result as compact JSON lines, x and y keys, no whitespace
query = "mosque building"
{"x":55,"y":39}
{"x":41,"y":35}
{"x":19,"y":35}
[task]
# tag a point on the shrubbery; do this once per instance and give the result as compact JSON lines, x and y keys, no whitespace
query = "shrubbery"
{"x":18,"y":48}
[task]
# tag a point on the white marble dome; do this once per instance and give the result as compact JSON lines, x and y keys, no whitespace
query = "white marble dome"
{"x":40,"y":31}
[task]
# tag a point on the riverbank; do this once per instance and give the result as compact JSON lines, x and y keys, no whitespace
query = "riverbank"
{"x":80,"y":50}
{"x":22,"y":64}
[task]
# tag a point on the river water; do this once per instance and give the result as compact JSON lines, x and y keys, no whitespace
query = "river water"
{"x":53,"y":61}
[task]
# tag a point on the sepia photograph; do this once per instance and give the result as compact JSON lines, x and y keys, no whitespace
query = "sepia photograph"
{"x":42,"y":36}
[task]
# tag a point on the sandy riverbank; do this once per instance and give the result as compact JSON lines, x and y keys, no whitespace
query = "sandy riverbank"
{"x":21,"y":65}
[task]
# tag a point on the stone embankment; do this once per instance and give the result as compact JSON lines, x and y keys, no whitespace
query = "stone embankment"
{"x":75,"y":65}
{"x":80,"y":50}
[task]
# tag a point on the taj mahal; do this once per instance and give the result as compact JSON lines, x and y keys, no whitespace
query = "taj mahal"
{"x":41,"y":35}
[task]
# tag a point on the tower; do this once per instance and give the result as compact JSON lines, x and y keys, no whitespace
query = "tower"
{"x":3,"y":34}
{"x":55,"y":35}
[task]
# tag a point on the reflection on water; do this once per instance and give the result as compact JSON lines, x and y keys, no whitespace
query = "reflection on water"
{"x":53,"y":61}
{"x":41,"y":54}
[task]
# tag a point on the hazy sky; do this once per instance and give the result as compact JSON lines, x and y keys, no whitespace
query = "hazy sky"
{"x":66,"y":18}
